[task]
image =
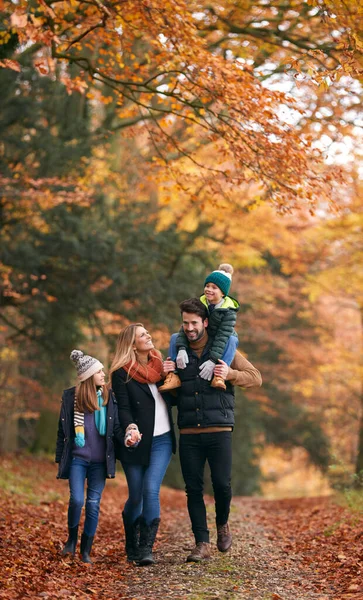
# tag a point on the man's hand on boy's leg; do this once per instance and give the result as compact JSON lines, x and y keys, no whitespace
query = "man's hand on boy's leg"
{"x":221,"y":369}
{"x":168,"y":365}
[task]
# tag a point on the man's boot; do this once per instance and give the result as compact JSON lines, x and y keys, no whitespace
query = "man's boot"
{"x":147,"y":539}
{"x":224,"y":538}
{"x":132,"y":534}
{"x":172,"y":381}
{"x":200,"y":552}
{"x":86,"y":547}
{"x":218,"y":382}
{"x":71,"y":543}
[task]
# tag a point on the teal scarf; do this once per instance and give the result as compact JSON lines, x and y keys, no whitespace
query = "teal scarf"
{"x":100,"y":415}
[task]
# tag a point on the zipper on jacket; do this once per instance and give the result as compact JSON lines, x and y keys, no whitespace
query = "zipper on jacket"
{"x":224,"y":407}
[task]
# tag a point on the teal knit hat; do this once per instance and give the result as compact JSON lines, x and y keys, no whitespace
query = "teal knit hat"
{"x":222,"y":278}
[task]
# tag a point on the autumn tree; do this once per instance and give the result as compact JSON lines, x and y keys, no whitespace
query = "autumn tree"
{"x":171,"y":70}
{"x":137,"y":139}
{"x":337,"y":275}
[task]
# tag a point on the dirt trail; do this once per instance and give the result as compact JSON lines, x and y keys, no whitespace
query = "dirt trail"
{"x":290,"y":550}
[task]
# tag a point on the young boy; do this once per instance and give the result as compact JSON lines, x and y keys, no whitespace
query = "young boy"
{"x":222,"y":315}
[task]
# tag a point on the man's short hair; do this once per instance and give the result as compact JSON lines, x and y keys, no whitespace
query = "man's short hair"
{"x":195,"y":307}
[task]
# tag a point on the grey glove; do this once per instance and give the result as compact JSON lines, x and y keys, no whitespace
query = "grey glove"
{"x":207,"y":369}
{"x":182,"y":359}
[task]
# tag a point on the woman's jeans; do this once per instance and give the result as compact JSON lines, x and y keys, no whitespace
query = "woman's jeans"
{"x":95,"y":473}
{"x":195,"y":449}
{"x":227,"y":356}
{"x":144,"y":482}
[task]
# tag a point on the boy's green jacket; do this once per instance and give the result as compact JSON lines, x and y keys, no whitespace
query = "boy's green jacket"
{"x":221,"y":322}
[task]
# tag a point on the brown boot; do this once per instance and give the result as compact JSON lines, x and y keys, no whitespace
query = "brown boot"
{"x":224,"y":538}
{"x":200,"y":552}
{"x":218,"y":382}
{"x":172,"y":381}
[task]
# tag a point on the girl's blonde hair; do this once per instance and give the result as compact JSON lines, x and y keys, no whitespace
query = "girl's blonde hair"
{"x":86,"y":395}
{"x":125,"y":352}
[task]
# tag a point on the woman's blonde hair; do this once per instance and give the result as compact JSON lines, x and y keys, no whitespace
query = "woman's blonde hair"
{"x":125,"y":352}
{"x":86,"y":395}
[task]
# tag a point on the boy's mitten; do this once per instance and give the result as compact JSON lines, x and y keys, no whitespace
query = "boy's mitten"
{"x":207,"y":369}
{"x":182,"y":359}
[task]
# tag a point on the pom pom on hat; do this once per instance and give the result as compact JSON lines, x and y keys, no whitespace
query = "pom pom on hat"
{"x":86,"y":365}
{"x":222,"y":277}
{"x":227,"y":268}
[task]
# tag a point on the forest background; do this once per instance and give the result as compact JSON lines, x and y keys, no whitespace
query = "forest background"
{"x":144,"y":142}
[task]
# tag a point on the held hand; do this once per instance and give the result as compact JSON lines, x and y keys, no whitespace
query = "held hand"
{"x":168,"y":365}
{"x":132,"y":435}
{"x":182,"y":359}
{"x":221,"y":370}
{"x":207,"y":369}
{"x":134,"y":439}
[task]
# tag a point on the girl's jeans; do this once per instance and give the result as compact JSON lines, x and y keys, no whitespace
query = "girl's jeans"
{"x":227,"y":356}
{"x":144,"y":482}
{"x":95,"y":473}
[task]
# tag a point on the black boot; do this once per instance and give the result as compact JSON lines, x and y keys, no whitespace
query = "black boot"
{"x":71,"y":543}
{"x":86,"y":547}
{"x":132,"y":534}
{"x":147,"y":539}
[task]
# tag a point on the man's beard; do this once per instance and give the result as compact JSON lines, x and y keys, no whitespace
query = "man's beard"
{"x":199,"y":337}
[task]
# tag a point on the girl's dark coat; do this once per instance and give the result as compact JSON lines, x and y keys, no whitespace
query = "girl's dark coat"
{"x":136,"y":404}
{"x":66,"y":434}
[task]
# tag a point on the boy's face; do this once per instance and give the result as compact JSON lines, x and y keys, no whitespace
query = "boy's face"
{"x":213,"y":293}
{"x":193,"y":326}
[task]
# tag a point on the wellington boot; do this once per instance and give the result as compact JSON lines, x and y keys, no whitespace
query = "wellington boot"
{"x":172,"y":381}
{"x":132,"y":534}
{"x":218,"y":382}
{"x":147,"y":539}
{"x":86,"y":547}
{"x":71,"y":543}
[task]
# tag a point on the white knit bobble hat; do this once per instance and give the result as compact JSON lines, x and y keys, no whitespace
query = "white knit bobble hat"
{"x":86,"y":365}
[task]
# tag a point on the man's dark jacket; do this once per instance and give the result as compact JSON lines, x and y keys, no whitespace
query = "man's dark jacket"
{"x":199,"y":404}
{"x":66,"y":434}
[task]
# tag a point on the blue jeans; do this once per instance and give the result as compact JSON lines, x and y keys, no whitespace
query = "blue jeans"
{"x":144,"y":482}
{"x":95,"y":473}
{"x":227,"y":356}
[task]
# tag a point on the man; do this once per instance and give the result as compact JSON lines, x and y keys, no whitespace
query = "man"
{"x":206,"y":420}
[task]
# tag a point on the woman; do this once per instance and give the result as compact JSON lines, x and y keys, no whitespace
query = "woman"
{"x":88,"y":422}
{"x":146,"y":419}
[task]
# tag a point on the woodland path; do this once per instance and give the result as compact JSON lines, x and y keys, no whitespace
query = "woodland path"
{"x":289,"y":549}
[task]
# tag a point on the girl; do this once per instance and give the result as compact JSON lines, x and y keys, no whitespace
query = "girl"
{"x":88,"y":423}
{"x":146,"y":418}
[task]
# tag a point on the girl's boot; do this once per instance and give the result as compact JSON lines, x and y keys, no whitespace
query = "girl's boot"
{"x":86,"y":546}
{"x":147,"y":539}
{"x":132,"y":534}
{"x":71,"y":543}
